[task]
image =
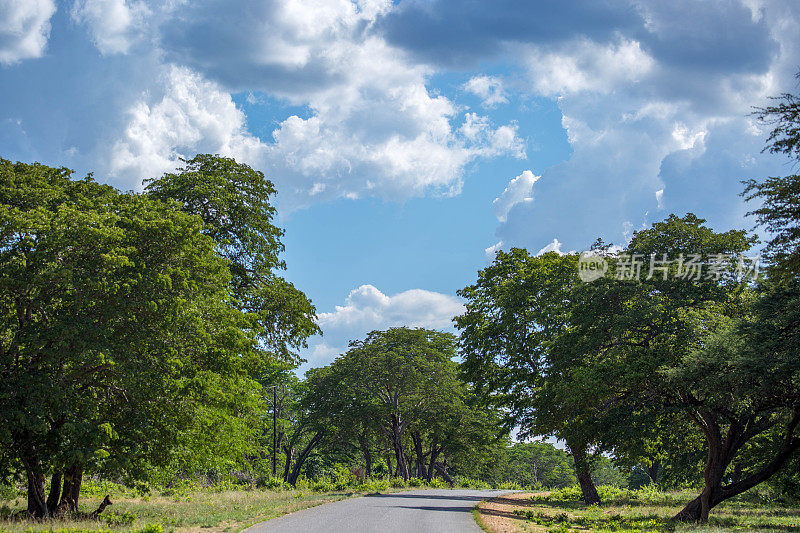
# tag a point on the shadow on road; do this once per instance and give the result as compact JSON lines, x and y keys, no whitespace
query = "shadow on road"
{"x":466,"y":498}
{"x":464,"y":509}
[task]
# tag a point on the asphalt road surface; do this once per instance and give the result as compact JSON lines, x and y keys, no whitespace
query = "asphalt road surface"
{"x":407,"y":512}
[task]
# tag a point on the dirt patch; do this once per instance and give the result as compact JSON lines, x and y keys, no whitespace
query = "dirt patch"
{"x":496,"y":515}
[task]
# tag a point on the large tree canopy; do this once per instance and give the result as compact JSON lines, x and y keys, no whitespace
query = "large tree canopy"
{"x":117,"y":349}
{"x":234,"y":203}
{"x":601,"y":363}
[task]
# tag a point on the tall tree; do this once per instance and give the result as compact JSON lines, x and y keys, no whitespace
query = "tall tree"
{"x":398,"y":374}
{"x":515,"y":314}
{"x":678,"y":341}
{"x":234,"y":203}
{"x":113,"y":331}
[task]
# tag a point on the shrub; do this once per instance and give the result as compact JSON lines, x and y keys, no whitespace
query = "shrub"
{"x":113,"y":518}
{"x":398,"y":483}
{"x":437,"y":483}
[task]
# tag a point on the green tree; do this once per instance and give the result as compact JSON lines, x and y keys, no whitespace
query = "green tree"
{"x":685,"y":343}
{"x":574,"y":360}
{"x":115,"y":343}
{"x":399,"y":374}
{"x":515,"y":313}
{"x":780,"y":210}
{"x":537,"y":464}
{"x":234,"y":203}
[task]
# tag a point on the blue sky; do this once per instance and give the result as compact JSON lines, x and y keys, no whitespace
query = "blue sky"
{"x":408,"y":140}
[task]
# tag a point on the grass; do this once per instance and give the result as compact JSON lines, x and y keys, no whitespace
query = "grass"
{"x":625,"y":510}
{"x":231,"y":510}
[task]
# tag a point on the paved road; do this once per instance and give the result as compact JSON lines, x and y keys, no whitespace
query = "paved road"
{"x":402,"y":512}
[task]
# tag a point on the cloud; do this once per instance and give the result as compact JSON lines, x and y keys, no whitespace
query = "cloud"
{"x":462,"y":34}
{"x":366,"y":309}
{"x":373,"y":127}
{"x":519,"y":190}
{"x":493,"y":249}
{"x":188,"y":115}
{"x":24,"y":29}
{"x":584,"y":65}
{"x":488,"y":88}
{"x":113,"y":24}
{"x":554,"y":246}
{"x":639,"y":118}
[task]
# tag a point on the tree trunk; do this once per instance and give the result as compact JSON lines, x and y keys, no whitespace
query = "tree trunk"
{"x":281,"y":435}
{"x":289,"y":450}
{"x":34,"y":473}
{"x":720,"y":454}
{"x":71,"y":492}
{"x":431,"y":465}
{"x":102,"y":507}
{"x":653,"y":470}
{"x":37,"y":505}
{"x":443,"y":472}
{"x":55,"y":492}
{"x":419,"y":456}
{"x":303,"y":456}
{"x":362,"y":442}
{"x":399,"y":453}
{"x":584,"y":474}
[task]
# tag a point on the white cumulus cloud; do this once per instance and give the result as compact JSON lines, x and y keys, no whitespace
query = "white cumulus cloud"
{"x":373,"y":126}
{"x":583,"y":65}
{"x":366,"y":308}
{"x":488,"y":88}
{"x":24,"y":29}
{"x":188,"y":115}
{"x":554,"y":246}
{"x":519,"y":190}
{"x":113,"y":24}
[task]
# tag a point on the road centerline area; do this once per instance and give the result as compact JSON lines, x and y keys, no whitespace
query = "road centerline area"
{"x":400,"y":512}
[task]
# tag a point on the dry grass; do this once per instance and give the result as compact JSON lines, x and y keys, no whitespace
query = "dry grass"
{"x":207,"y":511}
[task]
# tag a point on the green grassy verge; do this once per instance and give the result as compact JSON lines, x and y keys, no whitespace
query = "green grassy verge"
{"x":645,"y":510}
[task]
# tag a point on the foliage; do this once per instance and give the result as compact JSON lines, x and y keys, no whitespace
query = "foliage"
{"x":780,"y":211}
{"x":624,"y":510}
{"x":613,"y":361}
{"x":233,"y":201}
{"x":535,"y":464}
{"x":401,"y":386}
{"x":130,"y":332}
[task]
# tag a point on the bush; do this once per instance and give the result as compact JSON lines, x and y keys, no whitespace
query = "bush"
{"x":437,"y":483}
{"x":10,"y":492}
{"x":272,"y":483}
{"x":113,"y":518}
{"x":322,"y":485}
{"x":398,"y":483}
{"x":650,"y":495}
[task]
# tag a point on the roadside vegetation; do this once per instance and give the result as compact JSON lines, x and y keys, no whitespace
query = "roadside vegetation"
{"x":645,"y":510}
